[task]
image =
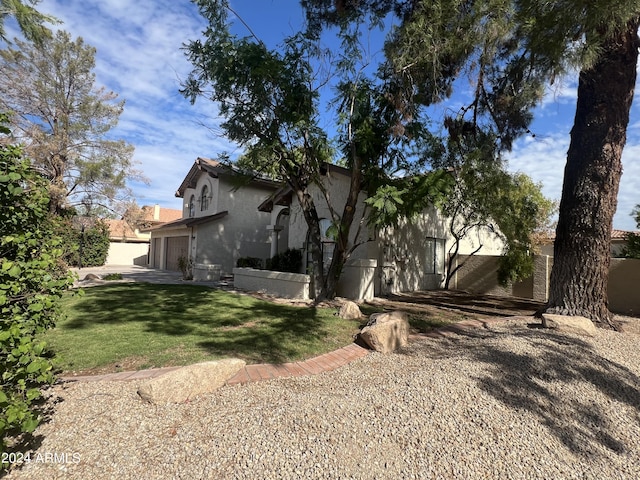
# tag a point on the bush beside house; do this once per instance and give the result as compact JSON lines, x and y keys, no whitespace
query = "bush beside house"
{"x":86,"y":247}
{"x":287,"y":261}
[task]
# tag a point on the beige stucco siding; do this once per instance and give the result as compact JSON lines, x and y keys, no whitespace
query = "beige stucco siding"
{"x":338,"y":187}
{"x":402,"y":251}
{"x":213,"y":207}
{"x":242,"y":233}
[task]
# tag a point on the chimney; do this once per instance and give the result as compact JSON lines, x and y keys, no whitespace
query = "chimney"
{"x":156,"y":212}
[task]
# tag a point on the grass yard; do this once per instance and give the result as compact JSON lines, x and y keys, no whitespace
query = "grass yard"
{"x":137,"y":325}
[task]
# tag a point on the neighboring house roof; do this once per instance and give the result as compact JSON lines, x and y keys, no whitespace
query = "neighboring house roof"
{"x":621,"y":234}
{"x":214,"y":169}
{"x":616,"y":236}
{"x":187,"y":222}
{"x":120,"y":230}
{"x":160,"y":214}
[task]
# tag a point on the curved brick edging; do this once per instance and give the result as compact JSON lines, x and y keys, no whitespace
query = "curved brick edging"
{"x":250,"y":373}
{"x":322,"y":363}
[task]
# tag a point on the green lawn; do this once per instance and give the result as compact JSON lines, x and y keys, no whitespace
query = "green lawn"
{"x":136,"y":325}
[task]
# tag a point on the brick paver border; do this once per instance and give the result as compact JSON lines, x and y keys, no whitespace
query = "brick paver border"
{"x":266,"y":371}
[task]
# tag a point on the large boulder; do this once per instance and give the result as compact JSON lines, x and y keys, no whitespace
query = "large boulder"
{"x":349,"y":310}
{"x":565,"y":323}
{"x":386,"y":332}
{"x":188,"y":382}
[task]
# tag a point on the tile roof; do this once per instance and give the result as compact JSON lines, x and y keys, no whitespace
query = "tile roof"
{"x":615,"y":235}
{"x":120,"y":229}
{"x":164,"y":214}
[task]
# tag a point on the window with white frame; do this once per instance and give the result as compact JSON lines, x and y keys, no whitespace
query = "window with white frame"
{"x":204,"y":199}
{"x":434,"y":256}
{"x":327,"y":244}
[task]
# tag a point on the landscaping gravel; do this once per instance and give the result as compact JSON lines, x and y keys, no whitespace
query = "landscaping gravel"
{"x":503,"y":402}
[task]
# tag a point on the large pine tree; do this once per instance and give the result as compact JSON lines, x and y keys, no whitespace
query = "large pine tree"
{"x":510,"y":50}
{"x":64,"y":120}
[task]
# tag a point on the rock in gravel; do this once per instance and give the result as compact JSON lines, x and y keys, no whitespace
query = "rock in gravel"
{"x":91,"y":276}
{"x":566,"y":323}
{"x":386,"y":332}
{"x":349,"y":310}
{"x":188,"y":382}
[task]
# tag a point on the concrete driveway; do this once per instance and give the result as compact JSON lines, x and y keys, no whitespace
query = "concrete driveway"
{"x":133,"y":273}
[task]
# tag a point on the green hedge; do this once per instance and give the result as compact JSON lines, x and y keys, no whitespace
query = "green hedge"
{"x":249,"y":262}
{"x":32,"y":279}
{"x":287,"y":261}
{"x":92,"y":243}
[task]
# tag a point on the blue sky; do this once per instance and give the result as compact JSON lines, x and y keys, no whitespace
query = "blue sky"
{"x":139,"y":57}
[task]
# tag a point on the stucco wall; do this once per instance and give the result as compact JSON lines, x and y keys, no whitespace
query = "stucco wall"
{"x":213,"y":207}
{"x":479,"y":276}
{"x":624,"y":286}
{"x":281,"y":284}
{"x":403,"y":254}
{"x":338,"y":187}
{"x":121,"y":253}
{"x":242,"y":233}
{"x":357,"y":281}
{"x":399,"y":252}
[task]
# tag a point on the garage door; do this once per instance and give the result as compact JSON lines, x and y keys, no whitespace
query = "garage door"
{"x":176,"y":247}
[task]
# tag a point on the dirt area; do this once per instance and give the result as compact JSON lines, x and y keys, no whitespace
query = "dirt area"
{"x":450,"y":303}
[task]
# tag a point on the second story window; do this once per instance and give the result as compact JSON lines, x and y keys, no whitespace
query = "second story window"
{"x":192,"y":206}
{"x":204,"y":199}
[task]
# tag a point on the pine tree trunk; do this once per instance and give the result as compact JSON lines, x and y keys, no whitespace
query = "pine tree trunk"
{"x":591,"y":179}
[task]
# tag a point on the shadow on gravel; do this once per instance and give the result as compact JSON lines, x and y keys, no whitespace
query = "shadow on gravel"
{"x":545,"y":380}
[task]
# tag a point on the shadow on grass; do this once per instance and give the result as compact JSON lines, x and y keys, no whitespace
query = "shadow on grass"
{"x":474,"y":304}
{"x":420,"y":321}
{"x":225,"y":324}
{"x":529,"y":381}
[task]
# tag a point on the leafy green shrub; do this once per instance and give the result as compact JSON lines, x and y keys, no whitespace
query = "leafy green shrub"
{"x":32,"y":279}
{"x":89,"y":245}
{"x":632,"y":249}
{"x":112,"y":276}
{"x":287,"y":261}
{"x":249,"y":262}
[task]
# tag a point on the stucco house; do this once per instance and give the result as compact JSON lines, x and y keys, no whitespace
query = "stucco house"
{"x":128,"y":243}
{"x":220,"y":222}
{"x":407,"y":258}
{"x":223,"y":221}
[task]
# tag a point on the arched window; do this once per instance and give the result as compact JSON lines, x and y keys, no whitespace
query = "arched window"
{"x":204,"y":199}
{"x":192,"y":206}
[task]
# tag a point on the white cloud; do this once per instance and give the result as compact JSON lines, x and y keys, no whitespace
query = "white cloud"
{"x":139,"y":56}
{"x":543,"y":158}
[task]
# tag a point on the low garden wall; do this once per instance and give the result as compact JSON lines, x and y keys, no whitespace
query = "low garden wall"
{"x":206,"y":272}
{"x":121,"y":253}
{"x":357,"y":281}
{"x":479,"y":275}
{"x":280,"y":284}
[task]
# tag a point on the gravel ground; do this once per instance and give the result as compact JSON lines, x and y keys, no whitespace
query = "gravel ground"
{"x":506,"y":402}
